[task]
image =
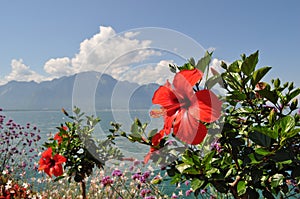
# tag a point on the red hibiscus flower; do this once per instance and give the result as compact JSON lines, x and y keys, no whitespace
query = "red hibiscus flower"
{"x":155,"y":141}
{"x":57,"y":136}
{"x":184,"y":108}
{"x":51,"y":164}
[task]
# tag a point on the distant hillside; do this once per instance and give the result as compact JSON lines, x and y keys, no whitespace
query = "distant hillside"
{"x":55,"y":94}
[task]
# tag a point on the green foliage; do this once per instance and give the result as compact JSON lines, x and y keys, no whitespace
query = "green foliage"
{"x":260,"y":152}
{"x":82,"y":151}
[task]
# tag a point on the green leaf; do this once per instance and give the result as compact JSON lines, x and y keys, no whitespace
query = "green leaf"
{"x":172,"y":68}
{"x":266,"y":131}
{"x":152,"y":133}
{"x":293,"y":94}
{"x":241,"y":187}
{"x":270,"y":95}
{"x":260,"y":139}
{"x":253,"y":159}
{"x":262,"y":151}
{"x":134,"y":128}
{"x":207,"y":159}
{"x":214,"y":80}
{"x":183,"y":166}
{"x":284,"y":125}
{"x":258,"y":75}
{"x":292,"y":133}
{"x":236,"y":95}
{"x":249,"y":63}
{"x":235,"y":67}
{"x":188,"y":160}
{"x":277,"y":180}
{"x":204,"y":61}
{"x":196,"y":184}
{"x":192,"y":61}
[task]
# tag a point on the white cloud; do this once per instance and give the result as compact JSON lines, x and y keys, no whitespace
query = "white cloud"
{"x":123,"y":56}
{"x":59,"y":67}
{"x":21,"y":72}
{"x":107,"y":50}
{"x":148,"y":73}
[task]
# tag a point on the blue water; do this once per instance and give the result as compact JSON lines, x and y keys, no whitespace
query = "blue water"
{"x":47,"y":121}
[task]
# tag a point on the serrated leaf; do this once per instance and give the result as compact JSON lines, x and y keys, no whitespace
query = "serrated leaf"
{"x":258,"y":75}
{"x":249,"y":63}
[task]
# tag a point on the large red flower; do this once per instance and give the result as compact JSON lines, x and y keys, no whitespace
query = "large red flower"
{"x":52,"y":164}
{"x":184,"y":108}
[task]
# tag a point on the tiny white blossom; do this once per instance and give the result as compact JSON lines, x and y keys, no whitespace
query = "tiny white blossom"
{"x":80,"y":151}
{"x":25,"y":185}
{"x":8,"y":185}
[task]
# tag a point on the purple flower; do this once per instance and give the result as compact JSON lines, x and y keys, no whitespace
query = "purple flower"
{"x":136,"y":176}
{"x":144,"y":192}
{"x":136,"y":162}
{"x":150,"y":197}
{"x":174,"y":196}
{"x":117,"y":172}
{"x":203,"y":191}
{"x":216,"y":145}
{"x":188,"y":192}
{"x":146,"y":174}
{"x":106,"y":181}
{"x":187,"y":183}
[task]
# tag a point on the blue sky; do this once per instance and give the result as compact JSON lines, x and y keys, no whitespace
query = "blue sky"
{"x":46,"y":39}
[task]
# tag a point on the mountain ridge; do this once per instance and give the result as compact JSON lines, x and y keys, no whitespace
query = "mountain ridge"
{"x":57,"y":93}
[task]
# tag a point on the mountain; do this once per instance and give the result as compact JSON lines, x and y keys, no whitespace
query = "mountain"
{"x":107,"y":92}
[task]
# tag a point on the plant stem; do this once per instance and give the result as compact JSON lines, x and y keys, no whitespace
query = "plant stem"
{"x":83,"y":189}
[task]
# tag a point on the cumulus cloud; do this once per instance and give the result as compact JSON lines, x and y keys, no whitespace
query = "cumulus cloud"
{"x":123,"y":56}
{"x":21,"y":72}
{"x":59,"y":67}
{"x":148,"y":73}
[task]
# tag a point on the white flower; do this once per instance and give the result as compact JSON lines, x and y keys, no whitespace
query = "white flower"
{"x":80,"y":151}
{"x":8,"y":185}
{"x":25,"y":185}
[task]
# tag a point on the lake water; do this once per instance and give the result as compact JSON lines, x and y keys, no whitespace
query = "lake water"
{"x":47,"y":121}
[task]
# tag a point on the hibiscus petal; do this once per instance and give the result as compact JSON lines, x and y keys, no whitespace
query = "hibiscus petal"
{"x":206,"y":106}
{"x":147,"y":157}
{"x":157,"y":138}
{"x":188,"y":129}
{"x":59,"y":159}
{"x":164,"y":96}
{"x":185,"y":80}
{"x":47,"y":153}
{"x":57,"y":170}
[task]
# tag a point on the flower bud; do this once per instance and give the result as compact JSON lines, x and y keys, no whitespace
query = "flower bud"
{"x":294,"y":104}
{"x":272,"y":116}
